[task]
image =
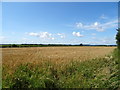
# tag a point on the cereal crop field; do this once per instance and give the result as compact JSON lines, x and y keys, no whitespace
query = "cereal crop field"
{"x":12,"y":57}
{"x":60,"y":67}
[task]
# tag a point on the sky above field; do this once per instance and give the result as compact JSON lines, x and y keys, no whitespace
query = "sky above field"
{"x":59,"y":23}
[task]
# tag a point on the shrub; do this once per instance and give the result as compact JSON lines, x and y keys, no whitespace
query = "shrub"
{"x":27,"y":76}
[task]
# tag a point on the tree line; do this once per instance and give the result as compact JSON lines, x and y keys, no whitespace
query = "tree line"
{"x":44,"y":45}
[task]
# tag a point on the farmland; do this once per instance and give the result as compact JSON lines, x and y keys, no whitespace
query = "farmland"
{"x":57,"y":55}
{"x":58,"y":61}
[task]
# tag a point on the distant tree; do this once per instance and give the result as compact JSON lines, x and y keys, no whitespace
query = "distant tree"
{"x":14,"y":45}
{"x":118,"y":38}
{"x":81,"y":44}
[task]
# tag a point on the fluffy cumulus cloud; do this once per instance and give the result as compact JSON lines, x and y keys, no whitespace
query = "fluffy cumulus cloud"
{"x":61,"y":35}
{"x":44,"y":35}
{"x":33,"y":34}
{"x":77,"y":34}
{"x":100,"y":27}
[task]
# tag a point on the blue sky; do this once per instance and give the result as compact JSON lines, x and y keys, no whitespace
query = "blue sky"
{"x":68,"y":23}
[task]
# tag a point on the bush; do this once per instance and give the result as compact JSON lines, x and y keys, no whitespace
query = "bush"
{"x":27,"y":76}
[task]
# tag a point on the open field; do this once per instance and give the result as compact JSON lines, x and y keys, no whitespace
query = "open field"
{"x":56,"y":55}
{"x":60,"y":67}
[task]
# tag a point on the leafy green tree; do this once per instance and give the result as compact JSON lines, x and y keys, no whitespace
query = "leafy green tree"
{"x":14,"y":45}
{"x":81,"y":44}
{"x":118,"y":38}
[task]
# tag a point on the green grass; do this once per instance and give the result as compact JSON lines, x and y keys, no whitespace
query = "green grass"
{"x":95,"y":73}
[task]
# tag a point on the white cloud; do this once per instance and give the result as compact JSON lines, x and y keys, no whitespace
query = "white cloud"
{"x":33,"y":34}
{"x":77,"y":34}
{"x":79,"y":25}
{"x":104,"y":40}
{"x":96,"y":24}
{"x":24,"y":38}
{"x":93,"y":34}
{"x":108,"y":41}
{"x":52,"y":38}
{"x":93,"y":37}
{"x":2,"y":37}
{"x":103,"y":17}
{"x":44,"y":35}
{"x":100,"y":27}
{"x":61,"y":35}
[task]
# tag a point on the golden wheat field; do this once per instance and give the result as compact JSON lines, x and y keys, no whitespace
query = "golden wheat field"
{"x":12,"y":57}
